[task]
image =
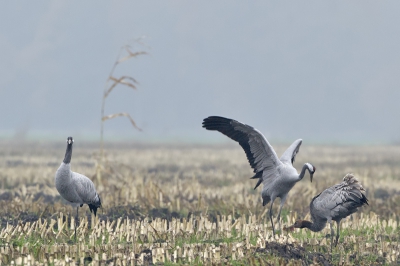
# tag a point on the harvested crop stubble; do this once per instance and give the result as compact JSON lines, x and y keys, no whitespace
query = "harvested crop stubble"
{"x":190,"y":205}
{"x":183,"y":241}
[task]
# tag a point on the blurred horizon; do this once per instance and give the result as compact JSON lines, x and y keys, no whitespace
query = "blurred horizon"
{"x":210,"y":138}
{"x":325,"y":72}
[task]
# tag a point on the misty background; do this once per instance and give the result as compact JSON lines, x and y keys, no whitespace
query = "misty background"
{"x":327,"y":72}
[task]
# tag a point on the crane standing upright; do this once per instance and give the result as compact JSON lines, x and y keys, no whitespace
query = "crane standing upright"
{"x":74,"y":187}
{"x":278,"y":176}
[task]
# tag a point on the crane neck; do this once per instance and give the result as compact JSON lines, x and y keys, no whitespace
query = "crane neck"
{"x":68,"y":154}
{"x":313,"y":226}
{"x":303,"y":171}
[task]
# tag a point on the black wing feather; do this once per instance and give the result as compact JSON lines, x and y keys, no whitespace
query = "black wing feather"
{"x":259,"y":152}
{"x":224,"y":126}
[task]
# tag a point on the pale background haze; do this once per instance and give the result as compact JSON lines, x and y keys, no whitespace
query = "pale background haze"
{"x":324,"y":71}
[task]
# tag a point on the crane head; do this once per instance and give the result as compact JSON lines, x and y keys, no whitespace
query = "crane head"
{"x":300,"y":224}
{"x":289,"y":229}
{"x":297,"y":224}
{"x":311,"y":169}
{"x":70,"y":140}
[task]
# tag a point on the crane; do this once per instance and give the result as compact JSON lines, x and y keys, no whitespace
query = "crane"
{"x":334,"y":204}
{"x":76,"y":188}
{"x":277,"y":175}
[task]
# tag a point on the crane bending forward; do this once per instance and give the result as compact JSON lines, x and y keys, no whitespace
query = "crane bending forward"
{"x":277,"y":175}
{"x":334,"y":204}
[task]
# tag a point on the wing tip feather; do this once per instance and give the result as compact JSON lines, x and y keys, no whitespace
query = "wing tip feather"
{"x":215,"y":122}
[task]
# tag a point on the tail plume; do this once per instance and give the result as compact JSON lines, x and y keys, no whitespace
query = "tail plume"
{"x":260,"y":179}
{"x":95,"y":205}
{"x":353,"y":184}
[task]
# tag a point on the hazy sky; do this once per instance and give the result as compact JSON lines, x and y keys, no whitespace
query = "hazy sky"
{"x":324,"y":71}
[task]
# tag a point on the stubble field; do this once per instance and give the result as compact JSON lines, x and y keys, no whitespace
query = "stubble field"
{"x":190,"y":204}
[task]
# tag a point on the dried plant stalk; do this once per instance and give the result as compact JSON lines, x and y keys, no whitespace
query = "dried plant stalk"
{"x":130,"y":54}
{"x":125,"y":81}
{"x":121,"y":114}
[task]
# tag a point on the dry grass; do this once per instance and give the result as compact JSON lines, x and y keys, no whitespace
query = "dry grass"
{"x":190,"y":205}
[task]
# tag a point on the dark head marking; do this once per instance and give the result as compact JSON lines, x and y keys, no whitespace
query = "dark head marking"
{"x":315,"y":168}
{"x":299,"y":224}
{"x":70,"y":140}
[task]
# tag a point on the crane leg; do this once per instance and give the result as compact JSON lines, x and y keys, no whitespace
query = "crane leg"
{"x":337,"y":232}
{"x":270,"y":217}
{"x":280,"y":209}
{"x":76,"y":221}
{"x":330,"y":223}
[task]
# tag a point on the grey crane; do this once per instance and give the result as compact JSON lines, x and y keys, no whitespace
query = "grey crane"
{"x":74,"y":187}
{"x":334,"y":204}
{"x":277,"y":175}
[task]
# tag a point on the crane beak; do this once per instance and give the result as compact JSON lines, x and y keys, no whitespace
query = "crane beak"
{"x":289,"y":229}
{"x":311,"y":177}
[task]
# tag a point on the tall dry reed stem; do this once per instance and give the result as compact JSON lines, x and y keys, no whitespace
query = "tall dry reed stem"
{"x":112,"y":82}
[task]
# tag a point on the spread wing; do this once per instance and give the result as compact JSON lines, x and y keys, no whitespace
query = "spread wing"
{"x":290,"y":154}
{"x":259,"y":152}
{"x":339,"y":201}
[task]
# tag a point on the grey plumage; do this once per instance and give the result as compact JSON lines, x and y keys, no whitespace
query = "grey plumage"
{"x":334,"y":204}
{"x":278,"y":176}
{"x":74,"y":187}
